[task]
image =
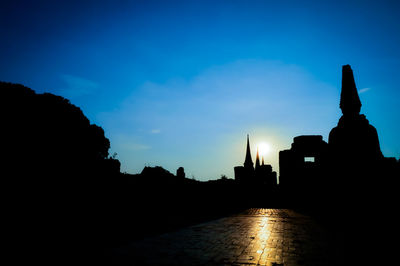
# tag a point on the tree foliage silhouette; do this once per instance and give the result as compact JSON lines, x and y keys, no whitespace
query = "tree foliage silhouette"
{"x":48,"y":135}
{"x":60,"y":179}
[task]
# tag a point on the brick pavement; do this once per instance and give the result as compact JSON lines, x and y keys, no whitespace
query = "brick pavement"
{"x":254,"y":237}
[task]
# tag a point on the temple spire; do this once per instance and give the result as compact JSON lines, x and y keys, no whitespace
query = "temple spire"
{"x":349,"y":101}
{"x":257,"y":160}
{"x":262,"y":160}
{"x":248,"y":162}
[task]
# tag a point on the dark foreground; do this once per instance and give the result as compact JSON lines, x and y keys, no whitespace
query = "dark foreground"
{"x":66,"y":202}
{"x":253,"y":237}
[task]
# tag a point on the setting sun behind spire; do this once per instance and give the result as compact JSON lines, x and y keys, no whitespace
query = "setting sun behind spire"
{"x":264,"y":148}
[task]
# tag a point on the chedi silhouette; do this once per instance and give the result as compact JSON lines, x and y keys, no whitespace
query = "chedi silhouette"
{"x":354,"y":140}
{"x":358,"y":170}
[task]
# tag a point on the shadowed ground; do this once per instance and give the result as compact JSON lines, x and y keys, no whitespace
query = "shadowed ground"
{"x":256,"y":236}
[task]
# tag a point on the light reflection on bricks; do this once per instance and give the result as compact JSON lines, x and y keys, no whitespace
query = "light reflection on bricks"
{"x":254,"y":237}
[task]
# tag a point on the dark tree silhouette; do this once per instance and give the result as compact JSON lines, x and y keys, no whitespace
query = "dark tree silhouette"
{"x":59,"y":175}
{"x":66,"y":190}
{"x":47,"y":134}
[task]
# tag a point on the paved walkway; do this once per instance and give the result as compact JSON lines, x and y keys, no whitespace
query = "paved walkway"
{"x":254,"y":237}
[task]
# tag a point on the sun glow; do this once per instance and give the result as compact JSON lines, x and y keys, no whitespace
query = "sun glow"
{"x":264,"y":148}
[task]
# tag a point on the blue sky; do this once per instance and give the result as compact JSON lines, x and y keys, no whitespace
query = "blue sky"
{"x":181,"y":83}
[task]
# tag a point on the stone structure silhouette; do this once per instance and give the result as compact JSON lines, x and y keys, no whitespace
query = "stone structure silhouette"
{"x":347,"y":170}
{"x":360,"y":178}
{"x":354,"y":150}
{"x":353,"y":140}
{"x":306,"y":158}
{"x":302,"y":167}
{"x":261,"y":175}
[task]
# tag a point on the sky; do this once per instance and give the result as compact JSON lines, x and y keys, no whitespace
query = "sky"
{"x":181,"y":83}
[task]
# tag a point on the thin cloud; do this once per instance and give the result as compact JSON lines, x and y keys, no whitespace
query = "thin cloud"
{"x":77,"y":86}
{"x":136,"y":147}
{"x":220,"y":101}
{"x":364,"y":90}
{"x":123,"y":142}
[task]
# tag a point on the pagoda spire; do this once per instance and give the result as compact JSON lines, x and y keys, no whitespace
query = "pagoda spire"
{"x":248,"y":162}
{"x":349,"y":101}
{"x":257,"y":160}
{"x":262,"y":160}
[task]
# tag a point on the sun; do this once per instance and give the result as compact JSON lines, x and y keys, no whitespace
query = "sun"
{"x":264,"y":148}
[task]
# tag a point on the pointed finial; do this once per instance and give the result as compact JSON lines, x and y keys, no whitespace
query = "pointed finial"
{"x":248,"y":162}
{"x":257,"y":160}
{"x":349,"y":101}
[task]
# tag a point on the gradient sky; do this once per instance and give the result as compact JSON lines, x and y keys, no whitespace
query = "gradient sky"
{"x":181,"y":83}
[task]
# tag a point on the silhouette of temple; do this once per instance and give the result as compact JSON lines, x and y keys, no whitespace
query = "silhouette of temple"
{"x":354,"y":140}
{"x":348,"y":170}
{"x":354,"y":147}
{"x":302,"y":166}
{"x":350,"y":163}
{"x":261,"y":174}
